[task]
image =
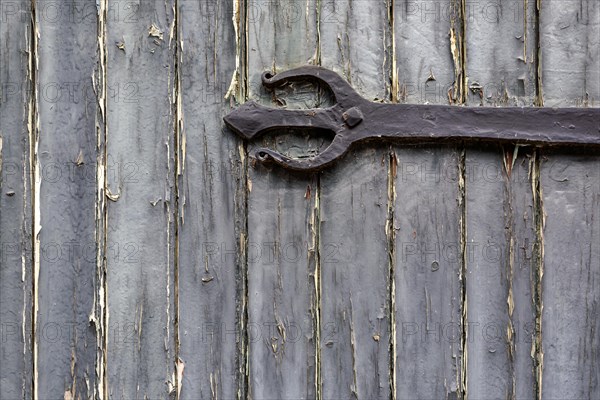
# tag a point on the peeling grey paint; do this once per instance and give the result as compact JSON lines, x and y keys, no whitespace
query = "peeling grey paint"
{"x":16,"y":280}
{"x":354,"y":245}
{"x":210,"y":204}
{"x":282,"y":276}
{"x":250,"y":282}
{"x":140,"y":298}
{"x":64,"y":202}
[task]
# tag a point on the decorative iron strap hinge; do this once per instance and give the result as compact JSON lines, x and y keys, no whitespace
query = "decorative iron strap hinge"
{"x":353,"y":119}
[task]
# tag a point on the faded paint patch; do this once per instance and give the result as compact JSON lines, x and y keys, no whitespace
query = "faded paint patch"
{"x":154,"y":31}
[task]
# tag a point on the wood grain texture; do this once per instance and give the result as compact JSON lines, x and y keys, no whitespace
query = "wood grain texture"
{"x":355,"y":332}
{"x":140,"y":190}
{"x":280,"y":326}
{"x":501,"y":52}
{"x":571,"y":237}
{"x":15,"y":204}
{"x":427,"y":211}
{"x":523,"y":266}
{"x":355,"y":316}
{"x":570,"y":185}
{"x":211,"y":169}
{"x":281,"y":220}
{"x":226,"y":278}
{"x":486,"y":277}
{"x":501,"y":271}
{"x":426,"y":57}
{"x":428,"y":262}
{"x":501,"y":63}
{"x":65,"y":192}
{"x":570,"y":55}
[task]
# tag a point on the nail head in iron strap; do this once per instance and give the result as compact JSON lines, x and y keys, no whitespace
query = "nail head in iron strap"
{"x":353,"y":119}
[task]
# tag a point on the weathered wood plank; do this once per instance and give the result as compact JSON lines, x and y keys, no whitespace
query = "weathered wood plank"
{"x":427,"y":211}
{"x":501,"y":62}
{"x":140,"y":188}
{"x":355,"y":334}
{"x":355,"y":42}
{"x":571,"y":237}
{"x":428,"y":59}
{"x":281,"y":227}
{"x":209,"y":276}
{"x":501,"y":269}
{"x":570,"y":195}
{"x":428,"y":262}
{"x":280,"y":326}
{"x":486,"y":276}
{"x":15,"y":202}
{"x":570,"y":60}
{"x":65,"y":195}
{"x":501,"y":53}
{"x":523,"y":265}
{"x":355,"y":37}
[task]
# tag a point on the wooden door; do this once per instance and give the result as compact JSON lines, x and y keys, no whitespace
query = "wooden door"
{"x":146,"y":254}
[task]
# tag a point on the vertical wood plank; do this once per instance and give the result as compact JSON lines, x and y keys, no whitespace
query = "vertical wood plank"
{"x":66,"y":194}
{"x":281,"y":210}
{"x":428,"y":274}
{"x":15,"y":202}
{"x":140,"y":189}
{"x":570,"y":196}
{"x":354,"y":260}
{"x":523,"y":264}
{"x":570,"y":323}
{"x":355,"y":334}
{"x":501,"y":48}
{"x":570,"y":61}
{"x":426,"y":57}
{"x":427,"y":211}
{"x":210,"y":206}
{"x":501,"y":269}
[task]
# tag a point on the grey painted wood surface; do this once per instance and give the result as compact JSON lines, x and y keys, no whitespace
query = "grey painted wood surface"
{"x":427,"y":271}
{"x":65,"y":197}
{"x":140,"y":174}
{"x":400,"y":272}
{"x":501,"y":272}
{"x":209,"y":167}
{"x":355,"y":282}
{"x":570,"y":204}
{"x":569,"y":53}
{"x":501,"y":266}
{"x":427,"y":212}
{"x":501,"y":50}
{"x":426,"y":56}
{"x":571,"y":272}
{"x":354,"y":257}
{"x":15,"y":205}
{"x":281,"y":249}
